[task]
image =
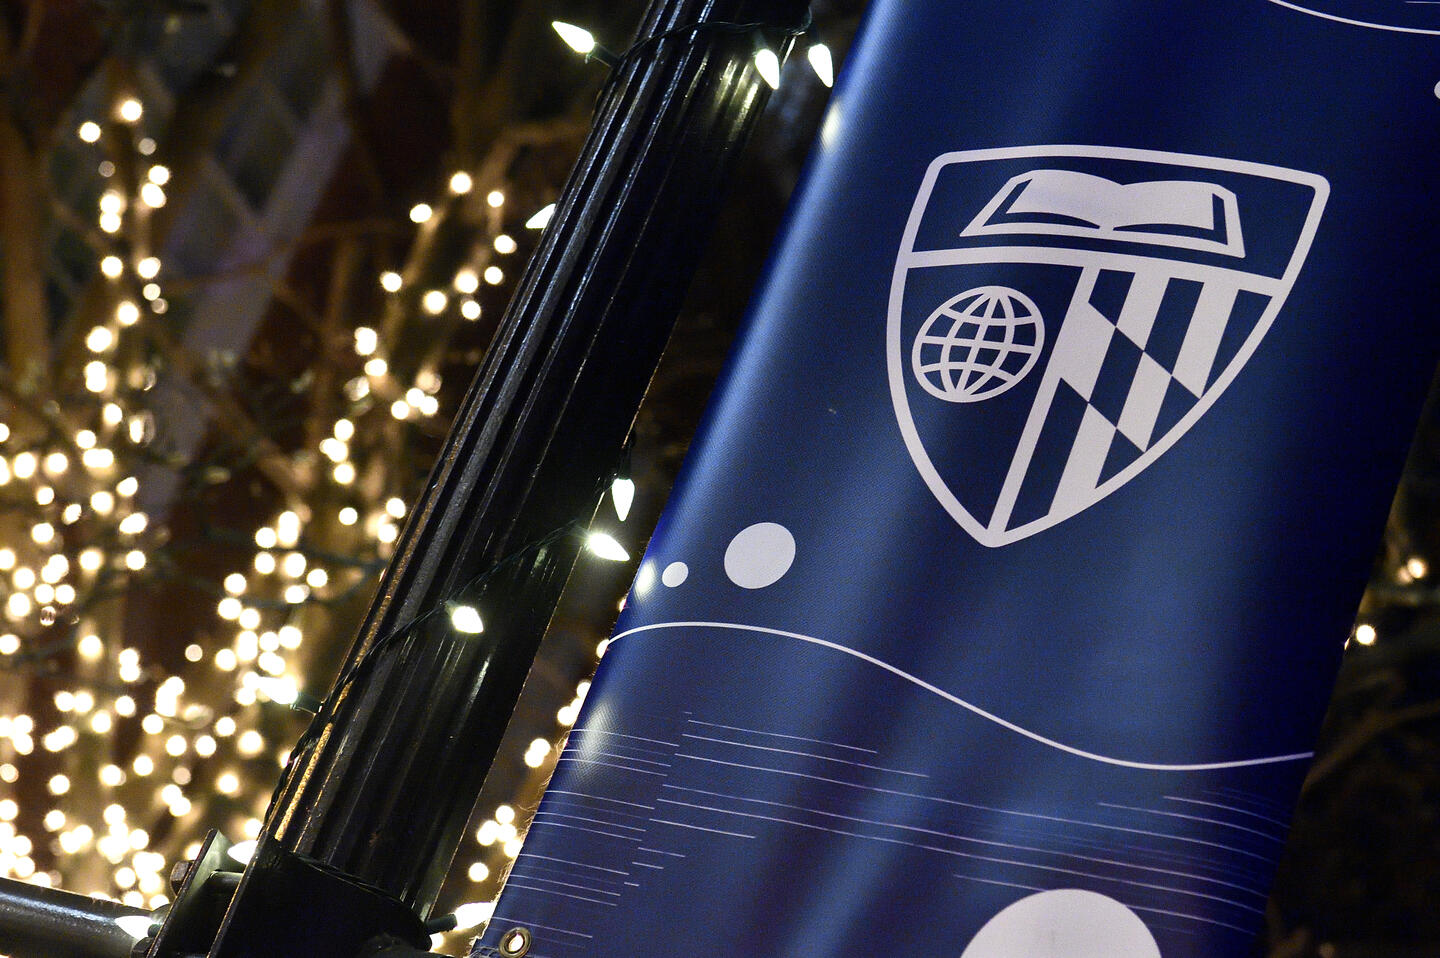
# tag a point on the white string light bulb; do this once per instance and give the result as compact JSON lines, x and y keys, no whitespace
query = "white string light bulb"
{"x":768,"y":65}
{"x":822,"y":63}
{"x":606,"y":547}
{"x":622,"y":491}
{"x":473,"y":914}
{"x":579,"y":39}
{"x":466,"y":619}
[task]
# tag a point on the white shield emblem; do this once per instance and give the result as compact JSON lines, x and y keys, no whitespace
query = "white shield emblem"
{"x":1061,"y":315}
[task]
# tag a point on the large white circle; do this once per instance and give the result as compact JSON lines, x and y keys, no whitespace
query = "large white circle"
{"x":1065,"y":923}
{"x":759,"y":555}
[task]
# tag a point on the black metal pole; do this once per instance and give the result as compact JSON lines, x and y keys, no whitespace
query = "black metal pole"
{"x":38,"y":922}
{"x":383,"y":784}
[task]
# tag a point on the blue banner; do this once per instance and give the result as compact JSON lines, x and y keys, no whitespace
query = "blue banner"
{"x":996,"y":609}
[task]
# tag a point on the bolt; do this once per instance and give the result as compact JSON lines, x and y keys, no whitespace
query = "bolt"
{"x":179,"y":873}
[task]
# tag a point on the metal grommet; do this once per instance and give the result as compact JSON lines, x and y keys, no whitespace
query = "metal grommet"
{"x":516,"y":942}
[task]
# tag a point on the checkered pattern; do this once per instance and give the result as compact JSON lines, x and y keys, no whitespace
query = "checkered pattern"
{"x":1136,"y":352}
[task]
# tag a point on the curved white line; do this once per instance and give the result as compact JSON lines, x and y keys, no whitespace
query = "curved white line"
{"x":1354,"y":23}
{"x":934,"y":690}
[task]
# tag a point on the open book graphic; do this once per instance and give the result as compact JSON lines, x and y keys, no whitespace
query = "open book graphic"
{"x":1189,"y":214}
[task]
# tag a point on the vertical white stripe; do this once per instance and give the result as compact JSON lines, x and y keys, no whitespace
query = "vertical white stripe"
{"x":1142,"y":305}
{"x":1202,"y":338}
{"x":1081,"y":347}
{"x":1142,"y":405}
{"x":1082,"y":469}
{"x":1076,"y":358}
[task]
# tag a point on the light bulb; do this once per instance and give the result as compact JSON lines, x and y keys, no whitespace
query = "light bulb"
{"x":466,"y":619}
{"x":822,"y":63}
{"x":768,"y":65}
{"x":136,"y":926}
{"x":622,"y":490}
{"x":576,"y":38}
{"x":242,"y":852}
{"x":475,"y":913}
{"x":606,"y":547}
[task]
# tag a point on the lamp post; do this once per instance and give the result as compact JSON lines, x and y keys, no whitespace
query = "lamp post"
{"x":379,"y":791}
{"x":371,"y":809}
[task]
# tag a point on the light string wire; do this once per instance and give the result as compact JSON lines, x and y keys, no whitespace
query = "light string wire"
{"x":615,"y":60}
{"x":322,"y":709}
{"x":408,"y":628}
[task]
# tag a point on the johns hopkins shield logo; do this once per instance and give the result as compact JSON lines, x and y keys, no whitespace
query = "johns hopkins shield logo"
{"x":1062,"y":315}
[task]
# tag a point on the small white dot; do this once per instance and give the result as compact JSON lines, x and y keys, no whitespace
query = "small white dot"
{"x":675,"y":574}
{"x":1437,"y":89}
{"x":759,"y":555}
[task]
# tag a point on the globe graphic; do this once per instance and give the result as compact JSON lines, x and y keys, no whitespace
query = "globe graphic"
{"x":978,"y":344}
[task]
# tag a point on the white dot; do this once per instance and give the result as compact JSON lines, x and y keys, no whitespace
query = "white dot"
{"x":759,"y":555}
{"x":1437,"y":89}
{"x":675,"y":574}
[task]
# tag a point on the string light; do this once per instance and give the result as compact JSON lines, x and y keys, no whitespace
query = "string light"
{"x":85,"y":489}
{"x":822,"y":63}
{"x":622,"y":493}
{"x":100,"y":339}
{"x":474,"y":914}
{"x":767,"y":64}
{"x":466,"y":619}
{"x":606,"y":547}
{"x":466,"y":281}
{"x":579,"y":39}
